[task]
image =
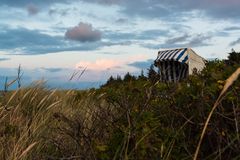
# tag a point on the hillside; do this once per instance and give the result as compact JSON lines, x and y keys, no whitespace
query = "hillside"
{"x":129,"y":118}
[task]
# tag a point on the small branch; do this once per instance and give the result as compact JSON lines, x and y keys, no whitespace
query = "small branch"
{"x":236,"y":120}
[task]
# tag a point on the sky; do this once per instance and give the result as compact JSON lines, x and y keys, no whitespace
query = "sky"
{"x":53,"y":39}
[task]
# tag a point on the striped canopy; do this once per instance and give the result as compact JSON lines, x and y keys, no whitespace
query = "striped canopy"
{"x":180,"y":55}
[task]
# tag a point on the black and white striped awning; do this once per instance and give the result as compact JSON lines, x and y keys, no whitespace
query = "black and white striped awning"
{"x":180,"y":55}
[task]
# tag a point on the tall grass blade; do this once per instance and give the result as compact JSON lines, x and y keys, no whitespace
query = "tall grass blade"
{"x":228,"y":83}
{"x":27,"y":150}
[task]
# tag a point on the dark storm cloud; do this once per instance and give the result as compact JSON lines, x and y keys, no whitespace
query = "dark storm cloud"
{"x":84,"y":32}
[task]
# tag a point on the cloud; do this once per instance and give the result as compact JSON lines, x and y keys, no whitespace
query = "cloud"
{"x":199,"y":40}
{"x":135,"y":36}
{"x":121,"y":20}
{"x":140,"y":8}
{"x":174,"y":9}
{"x":185,"y":40}
{"x":100,"y":64}
{"x":53,"y":69}
{"x":152,"y":34}
{"x":109,"y":2}
{"x":233,"y":28}
{"x":31,"y":42}
{"x":32,"y":9}
{"x":146,"y":9}
{"x":151,"y":45}
{"x":4,"y":59}
{"x":101,"y":69}
{"x":178,"y":39}
{"x":235,"y":42}
{"x":84,"y":32}
{"x":222,"y":34}
{"x":105,"y":64}
{"x":105,"y":2}
{"x":142,"y":64}
{"x":25,"y":41}
{"x":161,"y":9}
{"x":221,"y":9}
{"x":57,"y":11}
{"x":23,"y":3}
{"x":21,"y":38}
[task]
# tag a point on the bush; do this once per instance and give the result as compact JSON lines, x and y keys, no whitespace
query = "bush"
{"x":131,"y":118}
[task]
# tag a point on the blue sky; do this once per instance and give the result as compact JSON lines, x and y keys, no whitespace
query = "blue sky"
{"x":52,"y":39}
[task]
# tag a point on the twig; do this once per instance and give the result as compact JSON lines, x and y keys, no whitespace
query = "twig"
{"x":236,"y":120}
{"x":19,"y":76}
{"x":82,"y":73}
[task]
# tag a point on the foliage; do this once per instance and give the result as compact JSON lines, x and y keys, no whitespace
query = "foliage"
{"x":152,"y":74}
{"x":129,"y":118}
{"x":234,"y":57}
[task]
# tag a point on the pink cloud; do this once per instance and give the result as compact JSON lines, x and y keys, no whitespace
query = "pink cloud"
{"x":100,"y":64}
{"x":105,"y":64}
{"x":102,"y":69}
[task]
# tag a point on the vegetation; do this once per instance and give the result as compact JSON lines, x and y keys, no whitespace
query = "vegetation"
{"x":129,"y":118}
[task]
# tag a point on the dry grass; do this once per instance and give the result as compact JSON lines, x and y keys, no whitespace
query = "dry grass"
{"x":60,"y":123}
